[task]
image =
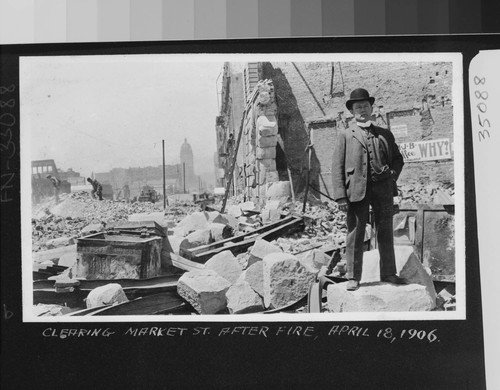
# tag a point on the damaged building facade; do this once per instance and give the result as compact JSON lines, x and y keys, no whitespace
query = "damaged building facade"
{"x":289,"y":113}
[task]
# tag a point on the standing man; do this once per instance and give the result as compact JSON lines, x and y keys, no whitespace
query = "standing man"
{"x":56,"y":183}
{"x":366,"y":165}
{"x":96,"y":188}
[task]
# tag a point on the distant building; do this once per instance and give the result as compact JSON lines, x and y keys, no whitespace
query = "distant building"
{"x":189,"y":181}
{"x":137,"y":177}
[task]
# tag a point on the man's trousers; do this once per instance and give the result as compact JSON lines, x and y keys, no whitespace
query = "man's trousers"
{"x":380,"y":196}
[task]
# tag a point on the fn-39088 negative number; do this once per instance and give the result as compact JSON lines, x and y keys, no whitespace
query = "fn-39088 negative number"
{"x":408,"y":334}
{"x":481,"y":96}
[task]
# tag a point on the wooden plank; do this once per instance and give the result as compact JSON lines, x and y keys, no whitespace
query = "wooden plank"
{"x":85,"y":312}
{"x":185,"y":264}
{"x":51,"y":297}
{"x":127,"y":284}
{"x":153,"y":304}
{"x":239,"y":247}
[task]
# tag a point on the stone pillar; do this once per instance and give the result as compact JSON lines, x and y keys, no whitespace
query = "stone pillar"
{"x":260,"y":138}
{"x":266,"y":134}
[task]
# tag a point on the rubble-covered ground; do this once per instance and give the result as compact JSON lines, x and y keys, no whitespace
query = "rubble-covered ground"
{"x":325,"y":226}
{"x":77,"y":210}
{"x":325,"y":229}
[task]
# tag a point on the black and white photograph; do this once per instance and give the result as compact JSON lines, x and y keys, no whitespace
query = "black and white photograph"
{"x":242,"y":187}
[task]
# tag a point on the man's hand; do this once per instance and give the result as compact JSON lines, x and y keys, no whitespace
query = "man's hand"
{"x":343,"y":204}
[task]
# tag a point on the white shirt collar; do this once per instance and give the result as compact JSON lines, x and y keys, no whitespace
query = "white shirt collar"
{"x":364,"y":124}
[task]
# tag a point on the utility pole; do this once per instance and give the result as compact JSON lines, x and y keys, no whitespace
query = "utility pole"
{"x":165,"y":200}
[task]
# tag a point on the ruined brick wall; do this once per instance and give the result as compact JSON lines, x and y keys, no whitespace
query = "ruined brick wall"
{"x":308,"y":92}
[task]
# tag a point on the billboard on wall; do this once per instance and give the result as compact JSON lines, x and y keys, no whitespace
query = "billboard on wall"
{"x":399,"y":130}
{"x":436,"y":149}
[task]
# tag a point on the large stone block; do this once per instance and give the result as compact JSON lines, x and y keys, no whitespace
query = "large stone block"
{"x":279,"y":190}
{"x":166,"y":249}
{"x":226,"y":265}
{"x":109,"y":294}
{"x":59,"y":242}
{"x":194,"y":221}
{"x":407,"y":266}
{"x":263,"y":153}
{"x":267,"y":125}
{"x":271,"y":176}
{"x":247,"y":206}
{"x":225,"y":219}
{"x":67,"y":260}
{"x":53,"y":254}
{"x":286,"y":280}
{"x":266,"y":165}
{"x":270,"y":215}
{"x":242,"y":298}
{"x":315,"y":259}
{"x":254,"y":276}
{"x":234,"y":211}
{"x":197,"y":238}
{"x":267,"y":142}
{"x":220,"y":231}
{"x":379,"y":297}
{"x":179,"y":231}
{"x":211,"y":215}
{"x":205,"y":290}
{"x":175,"y":243}
{"x":260,"y":249}
{"x":92,"y":228}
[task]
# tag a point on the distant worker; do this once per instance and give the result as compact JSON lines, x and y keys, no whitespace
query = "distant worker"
{"x":96,"y":188}
{"x":126,"y":193}
{"x":56,"y":183}
{"x":230,"y":143}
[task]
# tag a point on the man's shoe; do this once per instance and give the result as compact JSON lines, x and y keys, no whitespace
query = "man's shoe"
{"x":394,"y":279}
{"x":352,"y":285}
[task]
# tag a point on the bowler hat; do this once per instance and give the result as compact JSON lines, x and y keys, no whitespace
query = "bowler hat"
{"x":358,"y":95}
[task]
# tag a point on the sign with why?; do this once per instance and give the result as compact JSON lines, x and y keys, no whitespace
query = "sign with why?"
{"x":437,"y":149}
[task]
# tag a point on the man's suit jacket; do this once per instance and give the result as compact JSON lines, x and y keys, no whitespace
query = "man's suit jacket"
{"x":350,"y":162}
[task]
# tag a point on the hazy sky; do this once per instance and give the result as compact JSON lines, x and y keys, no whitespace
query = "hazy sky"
{"x":94,"y":113}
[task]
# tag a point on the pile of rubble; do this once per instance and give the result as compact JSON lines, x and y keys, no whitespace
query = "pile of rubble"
{"x":77,"y":215}
{"x":422,"y":192}
{"x":263,"y":278}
